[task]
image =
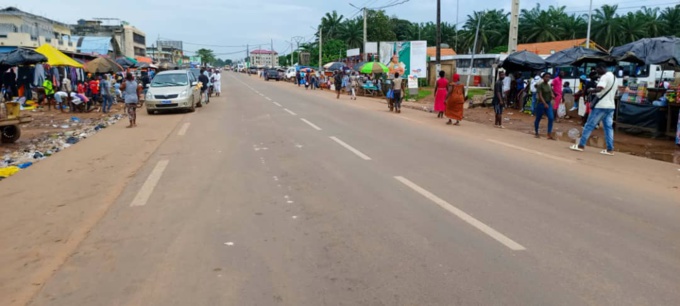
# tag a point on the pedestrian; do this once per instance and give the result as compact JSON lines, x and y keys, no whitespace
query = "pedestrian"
{"x":298,"y":77}
{"x":345,"y":83}
{"x":203,"y":78}
{"x":61,"y":97}
{"x":105,"y":90}
{"x":498,"y":100}
{"x":397,"y":85}
{"x":131,"y":92}
{"x":507,"y":85}
{"x":557,"y":89}
{"x":94,"y":89}
{"x":441,"y":91}
{"x":308,"y":78}
{"x":603,"y":107}
{"x":579,"y":93}
{"x":546,"y":96}
{"x":534,"y":93}
{"x":217,"y":83}
{"x":353,"y":84}
{"x":519,"y":87}
{"x":337,"y":78}
{"x":80,"y":88}
{"x":455,"y":100}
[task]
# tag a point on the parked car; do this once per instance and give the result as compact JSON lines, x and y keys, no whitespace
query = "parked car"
{"x":171,"y":90}
{"x":272,"y":74}
{"x":252,"y":70}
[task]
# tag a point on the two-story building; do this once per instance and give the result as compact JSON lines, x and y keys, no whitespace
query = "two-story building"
{"x":21,"y":29}
{"x":262,"y":58}
{"x":126,"y":39}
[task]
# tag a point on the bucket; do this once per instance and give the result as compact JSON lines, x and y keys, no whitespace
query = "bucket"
{"x":477,"y":80}
{"x":13,"y":109}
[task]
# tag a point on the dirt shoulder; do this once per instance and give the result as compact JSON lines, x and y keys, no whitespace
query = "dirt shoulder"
{"x":48,"y":209}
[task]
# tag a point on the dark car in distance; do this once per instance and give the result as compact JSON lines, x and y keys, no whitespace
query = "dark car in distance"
{"x":272,"y":74}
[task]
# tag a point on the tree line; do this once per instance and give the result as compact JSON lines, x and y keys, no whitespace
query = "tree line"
{"x":609,"y":28}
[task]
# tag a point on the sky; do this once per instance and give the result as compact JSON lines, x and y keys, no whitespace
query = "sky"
{"x":227,"y":26}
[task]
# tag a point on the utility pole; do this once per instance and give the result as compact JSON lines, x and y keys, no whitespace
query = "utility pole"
{"x":365,"y":36}
{"x":320,"y":48}
{"x":514,"y":25}
{"x":439,"y":35}
{"x":590,"y":17}
{"x":457,"y":30}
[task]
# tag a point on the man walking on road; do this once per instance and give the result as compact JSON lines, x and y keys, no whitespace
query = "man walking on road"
{"x":204,"y":87}
{"x":337,"y":78}
{"x":603,"y":107}
{"x":498,"y":101}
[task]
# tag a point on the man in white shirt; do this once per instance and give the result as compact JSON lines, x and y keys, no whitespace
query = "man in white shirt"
{"x":602,"y":110}
{"x":506,"y":88}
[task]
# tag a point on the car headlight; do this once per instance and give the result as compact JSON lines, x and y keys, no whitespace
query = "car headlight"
{"x":149,"y":95}
{"x":183,"y":94}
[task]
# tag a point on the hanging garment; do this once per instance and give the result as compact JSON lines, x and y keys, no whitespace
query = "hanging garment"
{"x":38,"y":75}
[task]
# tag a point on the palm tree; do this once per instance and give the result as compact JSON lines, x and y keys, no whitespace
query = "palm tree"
{"x":631,"y":28}
{"x":352,"y":32}
{"x":537,"y":25}
{"x":651,"y":22}
{"x":493,"y":30}
{"x":330,"y":24}
{"x":605,"y":26}
{"x":574,"y":27}
{"x":670,"y":19}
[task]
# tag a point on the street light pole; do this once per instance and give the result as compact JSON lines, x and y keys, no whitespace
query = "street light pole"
{"x":365,"y":54}
{"x":439,"y":35}
{"x":590,"y":14}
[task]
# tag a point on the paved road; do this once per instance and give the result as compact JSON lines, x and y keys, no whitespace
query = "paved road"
{"x":273,"y":195}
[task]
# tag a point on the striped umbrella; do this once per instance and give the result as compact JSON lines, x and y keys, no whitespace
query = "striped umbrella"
{"x":373,"y":67}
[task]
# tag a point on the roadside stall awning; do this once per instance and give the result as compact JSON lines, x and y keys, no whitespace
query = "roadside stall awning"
{"x":56,"y":57}
{"x":657,"y":51}
{"x":102,"y":65}
{"x":570,"y":56}
{"x":523,"y":61}
{"x":21,"y":56}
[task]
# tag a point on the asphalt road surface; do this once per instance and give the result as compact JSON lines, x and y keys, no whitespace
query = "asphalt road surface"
{"x":273,"y":195}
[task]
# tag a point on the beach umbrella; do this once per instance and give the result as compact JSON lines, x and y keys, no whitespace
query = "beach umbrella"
{"x":333,"y":66}
{"x":126,"y":62}
{"x":569,"y":56}
{"x":373,"y":67}
{"x":101,"y":65}
{"x":21,"y":56}
{"x":523,"y":61}
{"x":358,"y":66}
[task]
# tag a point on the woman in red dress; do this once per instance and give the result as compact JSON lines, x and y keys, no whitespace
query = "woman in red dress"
{"x":455,"y":100}
{"x":441,"y":88}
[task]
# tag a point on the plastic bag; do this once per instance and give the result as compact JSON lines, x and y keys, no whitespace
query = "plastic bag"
{"x":561,"y":110}
{"x":390,"y":94}
{"x":582,"y":107}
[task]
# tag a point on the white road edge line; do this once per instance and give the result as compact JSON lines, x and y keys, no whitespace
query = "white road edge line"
{"x":311,"y":124}
{"x":531,"y":151}
{"x":348,"y":147}
{"x":277,"y":104}
{"x":462,"y":215}
{"x":183,"y":130}
{"x":290,"y":112}
{"x":150,"y":184}
{"x":268,"y":99}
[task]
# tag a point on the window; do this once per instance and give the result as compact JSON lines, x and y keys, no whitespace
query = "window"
{"x":138,"y":39}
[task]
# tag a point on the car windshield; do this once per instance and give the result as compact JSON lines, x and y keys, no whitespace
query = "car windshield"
{"x":175,"y":79}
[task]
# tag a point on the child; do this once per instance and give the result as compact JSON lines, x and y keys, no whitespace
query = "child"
{"x":80,"y":88}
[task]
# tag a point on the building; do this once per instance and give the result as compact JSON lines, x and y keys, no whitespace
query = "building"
{"x":263,"y":57}
{"x":126,"y":39}
{"x":550,"y":47}
{"x":21,"y":29}
{"x":432,"y":51}
{"x":166,"y":51}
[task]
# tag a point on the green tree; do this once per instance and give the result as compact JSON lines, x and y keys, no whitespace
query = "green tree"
{"x":670,"y":20}
{"x":401,"y":28}
{"x":352,"y":32}
{"x":631,"y":28}
{"x":606,"y":26}
{"x":379,"y":26}
{"x":330,"y":25}
{"x":541,"y":25}
{"x":651,"y":22}
{"x":493,"y":30}
{"x":207,"y":56}
{"x":574,"y":27}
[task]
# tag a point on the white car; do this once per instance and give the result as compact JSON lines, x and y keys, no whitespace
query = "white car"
{"x":173,"y":89}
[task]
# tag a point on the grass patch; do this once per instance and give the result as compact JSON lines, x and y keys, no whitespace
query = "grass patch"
{"x":477,"y":92}
{"x":422,"y":93}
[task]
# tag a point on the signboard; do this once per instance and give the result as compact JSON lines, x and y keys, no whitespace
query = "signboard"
{"x":408,"y":58}
{"x":412,"y":82}
{"x":371,"y":47}
{"x":353,"y":52}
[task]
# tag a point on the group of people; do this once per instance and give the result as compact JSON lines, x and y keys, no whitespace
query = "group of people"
{"x":596,"y":95}
{"x":449,"y":98}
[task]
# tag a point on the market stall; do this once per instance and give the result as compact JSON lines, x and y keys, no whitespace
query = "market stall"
{"x":651,"y":106}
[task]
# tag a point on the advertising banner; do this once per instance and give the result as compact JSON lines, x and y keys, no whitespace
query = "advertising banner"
{"x":409,"y":58}
{"x":371,"y":47}
{"x":353,"y":52}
